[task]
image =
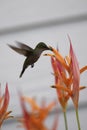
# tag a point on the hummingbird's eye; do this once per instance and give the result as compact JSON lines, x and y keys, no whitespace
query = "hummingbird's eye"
{"x":44,"y":46}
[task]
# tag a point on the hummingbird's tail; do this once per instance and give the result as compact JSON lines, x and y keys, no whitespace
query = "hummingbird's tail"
{"x":22,"y":72}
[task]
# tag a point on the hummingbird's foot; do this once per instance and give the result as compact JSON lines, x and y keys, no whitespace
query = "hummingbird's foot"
{"x":32,"y":65}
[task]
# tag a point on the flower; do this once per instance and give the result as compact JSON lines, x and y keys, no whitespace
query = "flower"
{"x":4,"y":102}
{"x":67,"y":76}
{"x":74,"y":67}
{"x":60,"y":75}
{"x":34,"y":120}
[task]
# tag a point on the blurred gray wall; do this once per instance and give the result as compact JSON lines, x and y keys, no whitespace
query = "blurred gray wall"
{"x":49,"y":21}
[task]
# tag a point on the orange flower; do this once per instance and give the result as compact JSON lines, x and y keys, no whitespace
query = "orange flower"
{"x":60,"y":82}
{"x":67,"y":76}
{"x":34,"y":120}
{"x":4,"y":102}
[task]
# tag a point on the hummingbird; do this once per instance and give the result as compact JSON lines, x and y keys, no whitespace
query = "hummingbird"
{"x":32,"y":55}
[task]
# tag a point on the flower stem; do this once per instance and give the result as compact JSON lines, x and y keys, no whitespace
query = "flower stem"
{"x":77,"y":117}
{"x":65,"y":120}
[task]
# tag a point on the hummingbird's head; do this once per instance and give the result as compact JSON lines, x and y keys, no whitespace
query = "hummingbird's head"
{"x":42,"y":46}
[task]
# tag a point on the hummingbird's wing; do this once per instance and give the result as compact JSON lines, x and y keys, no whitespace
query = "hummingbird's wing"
{"x":22,"y":50}
{"x":23,"y":46}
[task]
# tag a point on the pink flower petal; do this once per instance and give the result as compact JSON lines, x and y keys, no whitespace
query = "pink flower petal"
{"x":76,"y":76}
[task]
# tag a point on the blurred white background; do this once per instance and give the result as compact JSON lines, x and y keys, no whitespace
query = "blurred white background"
{"x":50,"y":21}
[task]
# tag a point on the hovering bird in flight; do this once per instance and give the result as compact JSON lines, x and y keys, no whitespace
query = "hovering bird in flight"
{"x":32,"y":55}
